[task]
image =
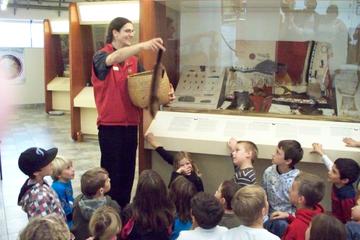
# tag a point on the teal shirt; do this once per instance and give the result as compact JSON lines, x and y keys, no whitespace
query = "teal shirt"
{"x":179,"y":226}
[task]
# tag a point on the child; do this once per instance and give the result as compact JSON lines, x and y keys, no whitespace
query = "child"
{"x":224,"y":194}
{"x":63,"y":172}
{"x":342,"y":173}
{"x":181,"y":192}
{"x":95,"y":183}
{"x":326,"y":227}
{"x":305,"y":194}
{"x":49,"y":227}
{"x":250,"y":205}
{"x":206,"y":213}
{"x":353,"y":227}
{"x":151,"y":211}
{"x":182,"y":164}
{"x":105,"y":223}
{"x":36,"y":197}
{"x":243,"y":153}
{"x":278,"y":179}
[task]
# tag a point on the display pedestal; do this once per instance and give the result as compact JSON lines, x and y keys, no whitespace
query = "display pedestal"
{"x":88,"y":114}
{"x":60,"y":91}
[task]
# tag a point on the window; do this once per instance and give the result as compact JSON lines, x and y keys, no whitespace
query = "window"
{"x":21,"y":33}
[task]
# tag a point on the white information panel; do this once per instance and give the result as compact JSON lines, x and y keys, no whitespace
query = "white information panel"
{"x":209,"y":133}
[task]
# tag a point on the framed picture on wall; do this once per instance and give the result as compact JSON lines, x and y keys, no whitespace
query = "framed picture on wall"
{"x":12,"y":67}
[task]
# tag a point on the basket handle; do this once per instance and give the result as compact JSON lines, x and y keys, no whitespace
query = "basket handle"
{"x":157,"y":74}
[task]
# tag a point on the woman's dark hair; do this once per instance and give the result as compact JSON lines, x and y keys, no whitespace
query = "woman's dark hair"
{"x":152,"y":208}
{"x":181,"y":192}
{"x":326,"y":227}
{"x":115,"y":24}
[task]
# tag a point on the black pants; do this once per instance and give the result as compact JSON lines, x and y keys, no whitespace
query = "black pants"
{"x":118,"y":155}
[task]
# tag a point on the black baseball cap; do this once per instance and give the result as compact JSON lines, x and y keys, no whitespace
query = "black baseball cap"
{"x":33,"y":159}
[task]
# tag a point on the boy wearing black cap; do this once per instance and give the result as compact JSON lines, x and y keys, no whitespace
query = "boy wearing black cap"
{"x":36,"y":196}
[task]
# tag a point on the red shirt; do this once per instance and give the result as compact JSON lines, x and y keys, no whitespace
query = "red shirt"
{"x":112,"y":99}
{"x":342,"y":200}
{"x":299,"y":223}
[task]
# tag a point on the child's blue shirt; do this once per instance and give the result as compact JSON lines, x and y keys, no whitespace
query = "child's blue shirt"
{"x":65,"y":194}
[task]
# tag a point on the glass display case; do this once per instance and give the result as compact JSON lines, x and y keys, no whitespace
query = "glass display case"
{"x":286,"y":58}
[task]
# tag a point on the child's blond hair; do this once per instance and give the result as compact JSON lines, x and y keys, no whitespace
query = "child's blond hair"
{"x":250,"y":147}
{"x":248,"y":203}
{"x":49,"y":227}
{"x":105,"y":223}
{"x":58,"y":165}
{"x":181,"y":155}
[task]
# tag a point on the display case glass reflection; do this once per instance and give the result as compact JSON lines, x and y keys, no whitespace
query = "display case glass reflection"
{"x":277,"y":56}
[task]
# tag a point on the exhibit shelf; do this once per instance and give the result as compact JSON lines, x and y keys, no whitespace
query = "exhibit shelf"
{"x":209,"y":134}
{"x":59,"y":87}
{"x":85,"y":102}
{"x":85,"y":98}
{"x":59,"y":84}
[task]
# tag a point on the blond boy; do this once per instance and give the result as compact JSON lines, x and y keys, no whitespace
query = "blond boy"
{"x":243,"y":154}
{"x":250,"y":206}
{"x":63,"y":173}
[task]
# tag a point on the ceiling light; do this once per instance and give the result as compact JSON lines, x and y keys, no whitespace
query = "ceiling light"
{"x":4,"y":4}
{"x":104,"y":12}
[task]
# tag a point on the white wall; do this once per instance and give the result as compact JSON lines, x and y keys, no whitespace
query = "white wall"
{"x":33,"y":90}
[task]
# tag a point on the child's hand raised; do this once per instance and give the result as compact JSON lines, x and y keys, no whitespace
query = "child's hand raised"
{"x":279,"y":215}
{"x":317,"y":148}
{"x":151,"y":140}
{"x":351,"y":142}
{"x":232,"y":144}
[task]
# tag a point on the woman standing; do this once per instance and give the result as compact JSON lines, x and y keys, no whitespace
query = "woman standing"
{"x":118,"y":118}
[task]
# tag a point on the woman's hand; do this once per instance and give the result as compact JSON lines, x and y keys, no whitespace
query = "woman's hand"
{"x":172,"y":96}
{"x":153,"y":44}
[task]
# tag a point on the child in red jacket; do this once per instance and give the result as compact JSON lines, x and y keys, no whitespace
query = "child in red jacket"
{"x":343,"y":172}
{"x":306,"y":193}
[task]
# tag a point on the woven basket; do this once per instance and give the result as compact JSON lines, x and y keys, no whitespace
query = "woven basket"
{"x":139,"y":87}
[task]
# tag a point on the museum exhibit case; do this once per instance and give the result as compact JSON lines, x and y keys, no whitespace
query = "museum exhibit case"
{"x":259,"y":70}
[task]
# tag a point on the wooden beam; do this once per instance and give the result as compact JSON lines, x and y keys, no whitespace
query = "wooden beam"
{"x":53,"y":61}
{"x":80,"y":58}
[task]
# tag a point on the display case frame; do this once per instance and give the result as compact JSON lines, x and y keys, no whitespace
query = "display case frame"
{"x":196,"y":38}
